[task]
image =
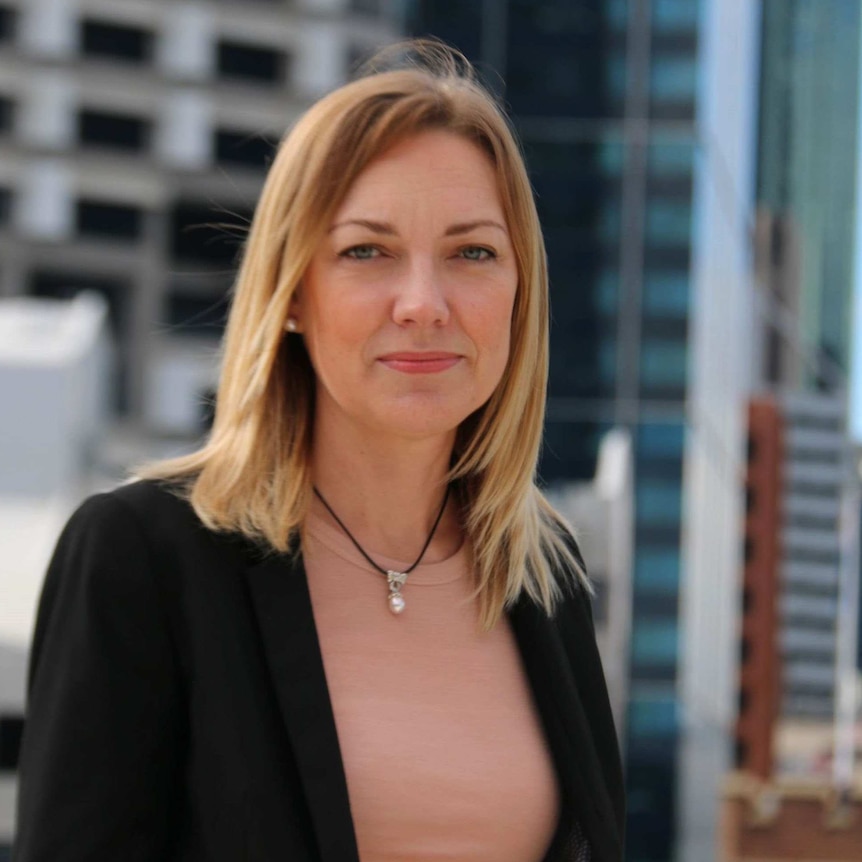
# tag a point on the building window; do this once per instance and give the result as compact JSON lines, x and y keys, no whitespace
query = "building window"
{"x":7,"y":114}
{"x":204,"y":234}
{"x":616,"y":13}
{"x":675,"y":15}
{"x":668,"y":221}
{"x":102,"y":220}
{"x":607,"y":292}
{"x":367,"y":7}
{"x":663,"y":364}
{"x":657,"y":569}
{"x":197,"y":314}
{"x":674,"y":78}
{"x":5,"y":205}
{"x":660,"y":440}
{"x":654,"y":716}
{"x":666,"y":294}
{"x":250,"y":149}
{"x":116,"y":131}
{"x":8,"y":23}
{"x":658,"y":502}
{"x":673,"y":85}
{"x":116,"y":41}
{"x":243,"y":62}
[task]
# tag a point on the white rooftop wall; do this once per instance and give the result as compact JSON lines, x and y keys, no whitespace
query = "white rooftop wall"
{"x":53,"y":369}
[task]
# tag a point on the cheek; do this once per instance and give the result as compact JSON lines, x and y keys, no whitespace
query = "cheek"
{"x":494,"y":325}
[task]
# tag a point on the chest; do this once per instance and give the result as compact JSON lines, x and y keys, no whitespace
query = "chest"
{"x":443,"y":749}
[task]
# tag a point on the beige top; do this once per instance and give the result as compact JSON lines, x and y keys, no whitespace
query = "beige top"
{"x":443,"y":750}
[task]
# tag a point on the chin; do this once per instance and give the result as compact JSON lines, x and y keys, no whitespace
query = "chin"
{"x":422,"y":420}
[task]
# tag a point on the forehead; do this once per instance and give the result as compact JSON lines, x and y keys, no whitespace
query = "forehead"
{"x":434,"y":166}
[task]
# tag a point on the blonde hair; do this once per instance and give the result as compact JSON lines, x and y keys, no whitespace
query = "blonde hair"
{"x":252,"y":475}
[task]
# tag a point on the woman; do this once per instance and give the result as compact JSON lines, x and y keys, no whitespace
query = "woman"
{"x":349,"y":626}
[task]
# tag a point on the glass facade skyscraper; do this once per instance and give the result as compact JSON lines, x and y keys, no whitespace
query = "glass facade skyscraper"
{"x":807,"y":157}
{"x":603,"y":94}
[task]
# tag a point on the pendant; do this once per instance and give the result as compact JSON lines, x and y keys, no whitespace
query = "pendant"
{"x":396,"y":603}
{"x":396,"y":580}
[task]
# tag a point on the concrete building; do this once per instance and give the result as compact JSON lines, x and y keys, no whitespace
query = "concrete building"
{"x":134,"y":138}
{"x":816,"y":469}
{"x":54,"y":366}
{"x":602,"y":512}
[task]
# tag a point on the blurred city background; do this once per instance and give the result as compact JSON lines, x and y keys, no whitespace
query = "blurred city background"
{"x":696,"y":167}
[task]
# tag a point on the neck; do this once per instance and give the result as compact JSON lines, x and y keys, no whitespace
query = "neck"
{"x":388,"y":493}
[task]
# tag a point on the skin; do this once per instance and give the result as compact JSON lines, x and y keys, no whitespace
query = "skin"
{"x":406,"y":310}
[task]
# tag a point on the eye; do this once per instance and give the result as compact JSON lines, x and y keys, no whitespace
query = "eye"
{"x":361,"y":252}
{"x":477,"y":253}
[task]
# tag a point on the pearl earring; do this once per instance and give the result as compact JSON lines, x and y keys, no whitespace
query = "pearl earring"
{"x":290,"y":326}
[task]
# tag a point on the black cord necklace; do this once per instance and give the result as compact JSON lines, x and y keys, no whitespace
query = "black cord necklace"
{"x":396,"y":580}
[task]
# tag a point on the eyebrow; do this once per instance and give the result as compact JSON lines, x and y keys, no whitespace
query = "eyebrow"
{"x":386,"y":229}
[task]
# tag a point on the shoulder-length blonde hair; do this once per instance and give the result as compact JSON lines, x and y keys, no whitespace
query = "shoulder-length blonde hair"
{"x":253,"y":474}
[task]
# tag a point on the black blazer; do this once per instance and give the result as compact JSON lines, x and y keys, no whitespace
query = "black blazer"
{"x":178,"y":708}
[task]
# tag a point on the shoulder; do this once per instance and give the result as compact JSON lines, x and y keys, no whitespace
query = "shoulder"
{"x":138,"y":538}
{"x":142,"y":512}
{"x":111,"y":535}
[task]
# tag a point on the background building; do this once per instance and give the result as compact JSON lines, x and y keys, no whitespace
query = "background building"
{"x":654,"y":131}
{"x":604,"y":94}
{"x":134,"y":139}
{"x":800,"y":797}
{"x":806,"y":188}
{"x":601,"y":512}
{"x":133,"y":142}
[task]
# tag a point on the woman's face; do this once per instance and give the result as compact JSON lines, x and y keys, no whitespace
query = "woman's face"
{"x":407,"y":303}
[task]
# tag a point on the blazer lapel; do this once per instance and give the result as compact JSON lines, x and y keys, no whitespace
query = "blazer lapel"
{"x":282,"y":603}
{"x":560,"y":705}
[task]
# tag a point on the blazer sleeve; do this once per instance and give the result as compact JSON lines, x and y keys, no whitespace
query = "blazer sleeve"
{"x":100,"y":751}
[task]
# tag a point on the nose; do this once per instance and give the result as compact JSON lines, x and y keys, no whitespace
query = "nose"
{"x":420,"y":298}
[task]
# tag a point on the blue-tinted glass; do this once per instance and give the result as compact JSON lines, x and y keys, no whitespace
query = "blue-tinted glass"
{"x":657,"y":569}
{"x":556,"y":58}
{"x":617,"y":13}
{"x":668,"y":221}
{"x":675,"y":15}
{"x":609,"y":222}
{"x":608,"y":360}
{"x":666,"y":294}
{"x":607,"y":291}
{"x":657,"y":716}
{"x":673,"y":78}
{"x":659,"y":502}
{"x":615,"y":69}
{"x":671,"y":158}
{"x":568,"y":450}
{"x":611,"y":156}
{"x":663,"y":363}
{"x":655,"y":642}
{"x":662,"y":439}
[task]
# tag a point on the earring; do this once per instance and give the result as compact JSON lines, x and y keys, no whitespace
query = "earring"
{"x":290,"y":326}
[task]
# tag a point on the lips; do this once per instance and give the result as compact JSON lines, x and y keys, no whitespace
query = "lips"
{"x":424,"y":362}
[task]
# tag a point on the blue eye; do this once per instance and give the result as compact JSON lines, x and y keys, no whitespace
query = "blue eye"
{"x":361,"y":252}
{"x":477,"y":252}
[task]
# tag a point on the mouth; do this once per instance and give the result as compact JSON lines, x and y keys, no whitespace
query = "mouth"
{"x":426,"y":362}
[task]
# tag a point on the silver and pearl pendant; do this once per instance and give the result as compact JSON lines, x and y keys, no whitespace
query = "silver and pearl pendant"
{"x":396,"y":580}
